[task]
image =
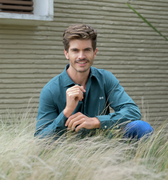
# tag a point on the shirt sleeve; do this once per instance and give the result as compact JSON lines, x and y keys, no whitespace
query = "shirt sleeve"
{"x":49,"y":121}
{"x":125,"y":110}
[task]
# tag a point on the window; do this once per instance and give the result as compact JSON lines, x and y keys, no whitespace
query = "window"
{"x":16,"y":6}
{"x":26,"y":12}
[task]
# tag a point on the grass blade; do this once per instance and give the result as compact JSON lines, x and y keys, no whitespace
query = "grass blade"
{"x":147,"y":22}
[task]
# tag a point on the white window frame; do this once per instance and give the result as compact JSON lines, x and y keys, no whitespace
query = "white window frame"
{"x":43,"y":12}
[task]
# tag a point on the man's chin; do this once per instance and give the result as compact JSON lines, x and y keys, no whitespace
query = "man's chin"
{"x":82,"y":71}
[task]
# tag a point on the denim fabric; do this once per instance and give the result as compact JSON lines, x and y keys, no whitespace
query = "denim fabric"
{"x":137,"y":129}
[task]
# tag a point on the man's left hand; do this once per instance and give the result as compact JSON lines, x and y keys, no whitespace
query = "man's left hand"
{"x":79,"y":120}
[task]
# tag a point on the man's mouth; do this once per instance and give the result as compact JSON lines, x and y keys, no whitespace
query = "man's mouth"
{"x":84,"y":61}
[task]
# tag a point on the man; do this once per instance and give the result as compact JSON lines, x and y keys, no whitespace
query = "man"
{"x":79,"y":98}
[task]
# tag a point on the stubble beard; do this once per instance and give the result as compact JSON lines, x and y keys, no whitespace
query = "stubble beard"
{"x":84,"y":70}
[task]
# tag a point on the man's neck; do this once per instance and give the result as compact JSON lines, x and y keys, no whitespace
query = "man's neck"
{"x":79,"y":77}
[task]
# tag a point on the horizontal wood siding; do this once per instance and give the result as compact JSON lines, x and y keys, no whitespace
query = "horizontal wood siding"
{"x":128,"y":47}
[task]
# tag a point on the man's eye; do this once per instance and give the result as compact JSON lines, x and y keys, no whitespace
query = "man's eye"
{"x":75,"y":50}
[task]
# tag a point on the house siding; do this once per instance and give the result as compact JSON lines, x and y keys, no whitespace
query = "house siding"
{"x":138,"y":56}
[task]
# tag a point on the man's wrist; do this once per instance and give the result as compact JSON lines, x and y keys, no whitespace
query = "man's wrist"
{"x":97,"y":123}
{"x":67,"y":113}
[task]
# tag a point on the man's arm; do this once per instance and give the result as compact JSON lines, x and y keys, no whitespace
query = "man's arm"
{"x":124,"y":107}
{"x":49,"y":121}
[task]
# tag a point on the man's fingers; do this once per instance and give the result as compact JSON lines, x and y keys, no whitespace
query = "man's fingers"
{"x":68,"y":120}
{"x":75,"y":92}
{"x":82,"y":89}
{"x":76,"y":123}
{"x":72,"y":118}
{"x":80,"y":127}
{"x":76,"y":88}
{"x":79,"y":120}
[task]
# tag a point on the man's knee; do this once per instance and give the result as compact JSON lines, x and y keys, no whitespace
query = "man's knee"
{"x":137,"y":129}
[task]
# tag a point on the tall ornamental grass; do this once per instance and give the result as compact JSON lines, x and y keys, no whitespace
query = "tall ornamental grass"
{"x":22,"y":157}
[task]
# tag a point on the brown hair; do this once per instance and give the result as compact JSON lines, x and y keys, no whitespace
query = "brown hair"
{"x":79,"y":31}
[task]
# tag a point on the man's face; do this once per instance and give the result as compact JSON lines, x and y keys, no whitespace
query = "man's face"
{"x":80,"y":55}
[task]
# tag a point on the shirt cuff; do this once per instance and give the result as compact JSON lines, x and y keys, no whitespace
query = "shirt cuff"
{"x":104,"y":122}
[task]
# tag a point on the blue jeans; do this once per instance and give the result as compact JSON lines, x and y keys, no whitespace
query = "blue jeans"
{"x":137,"y":129}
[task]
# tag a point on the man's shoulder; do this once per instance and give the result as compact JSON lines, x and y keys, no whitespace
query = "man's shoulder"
{"x":104,"y":76}
{"x":101,"y":72}
{"x":53,"y":83}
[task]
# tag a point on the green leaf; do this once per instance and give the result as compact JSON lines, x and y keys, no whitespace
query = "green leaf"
{"x":147,"y":22}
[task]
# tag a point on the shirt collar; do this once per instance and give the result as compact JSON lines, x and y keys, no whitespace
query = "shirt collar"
{"x":68,"y":81}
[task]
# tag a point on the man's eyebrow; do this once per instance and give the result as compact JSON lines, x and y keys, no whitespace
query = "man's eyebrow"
{"x":73,"y":49}
{"x":88,"y":48}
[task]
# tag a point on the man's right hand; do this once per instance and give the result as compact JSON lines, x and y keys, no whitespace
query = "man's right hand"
{"x":73,"y":96}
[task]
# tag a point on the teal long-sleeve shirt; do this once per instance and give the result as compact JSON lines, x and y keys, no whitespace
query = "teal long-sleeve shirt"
{"x":102,"y":90}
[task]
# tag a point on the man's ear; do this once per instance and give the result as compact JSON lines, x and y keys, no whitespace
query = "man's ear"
{"x":95,"y":52}
{"x":66,"y":54}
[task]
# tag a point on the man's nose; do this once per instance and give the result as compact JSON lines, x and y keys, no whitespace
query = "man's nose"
{"x":81,"y":55}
